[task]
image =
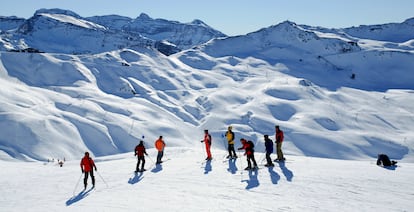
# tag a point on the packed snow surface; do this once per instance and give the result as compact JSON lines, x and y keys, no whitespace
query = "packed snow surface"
{"x":185,"y":182}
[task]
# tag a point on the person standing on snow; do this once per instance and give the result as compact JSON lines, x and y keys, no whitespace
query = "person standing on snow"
{"x":269,"y":150}
{"x":87,"y":166}
{"x":160,"y":145}
{"x":248,"y":147}
{"x":140,"y":152}
{"x":279,"y":140}
{"x":230,"y":140}
{"x":207,"y":142}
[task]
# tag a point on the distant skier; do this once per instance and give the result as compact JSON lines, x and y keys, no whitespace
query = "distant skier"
{"x":269,"y":150}
{"x":279,"y":140}
{"x":248,"y":147}
{"x":230,"y":140}
{"x":160,"y":145}
{"x":140,"y":152}
{"x":207,"y":142}
{"x":87,"y":166}
{"x":384,"y":160}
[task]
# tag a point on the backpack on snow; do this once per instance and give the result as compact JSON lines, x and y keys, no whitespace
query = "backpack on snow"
{"x":384,"y":160}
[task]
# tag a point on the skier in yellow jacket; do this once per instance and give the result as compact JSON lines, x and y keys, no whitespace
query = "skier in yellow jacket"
{"x":230,"y":140}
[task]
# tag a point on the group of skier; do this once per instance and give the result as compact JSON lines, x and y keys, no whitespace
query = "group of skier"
{"x":88,"y":165}
{"x":248,"y":147}
{"x":140,"y":152}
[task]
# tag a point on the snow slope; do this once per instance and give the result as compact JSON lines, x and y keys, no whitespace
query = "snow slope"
{"x":183,"y":183}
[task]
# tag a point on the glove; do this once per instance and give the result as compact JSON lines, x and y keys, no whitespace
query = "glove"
{"x":146,"y":154}
{"x":96,"y":169}
{"x":201,"y":141}
{"x":83,"y":171}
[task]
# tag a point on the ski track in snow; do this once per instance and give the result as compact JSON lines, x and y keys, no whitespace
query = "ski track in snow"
{"x":180,"y":184}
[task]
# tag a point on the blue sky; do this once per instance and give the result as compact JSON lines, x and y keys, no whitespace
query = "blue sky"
{"x":233,"y":17}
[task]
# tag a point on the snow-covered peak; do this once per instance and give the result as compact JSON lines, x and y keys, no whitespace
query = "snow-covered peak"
{"x":57,"y":11}
{"x":144,"y":16}
{"x":392,"y":32}
{"x":199,"y":22}
{"x":67,"y":19}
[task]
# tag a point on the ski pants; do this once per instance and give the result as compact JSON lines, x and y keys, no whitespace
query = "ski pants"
{"x":268,"y":159}
{"x":279,"y":151}
{"x":140,"y":158}
{"x":250,"y":159}
{"x":85,"y":179}
{"x":208,"y":150}
{"x":159,"y":156}
{"x":232,"y":152}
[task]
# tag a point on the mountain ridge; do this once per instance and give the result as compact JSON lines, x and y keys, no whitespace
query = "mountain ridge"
{"x":335,"y":95}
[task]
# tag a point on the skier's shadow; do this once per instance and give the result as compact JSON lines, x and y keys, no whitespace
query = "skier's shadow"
{"x":392,"y":168}
{"x":136,"y":178}
{"x":288,"y":174}
{"x":208,"y":167}
{"x":78,"y":197}
{"x":252,"y":182}
{"x":274,"y":176}
{"x":157,"y":168}
{"x":232,"y":166}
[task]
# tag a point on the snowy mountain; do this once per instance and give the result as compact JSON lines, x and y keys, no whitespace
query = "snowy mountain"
{"x":335,"y":95}
{"x":392,"y":32}
{"x":9,"y":23}
{"x":70,"y":84}
{"x":63,"y":31}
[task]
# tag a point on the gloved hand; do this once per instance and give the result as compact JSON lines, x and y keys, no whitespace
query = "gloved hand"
{"x":96,"y":169}
{"x":83,"y":171}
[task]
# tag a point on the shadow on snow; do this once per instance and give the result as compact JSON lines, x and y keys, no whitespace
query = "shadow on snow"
{"x":252,"y":182}
{"x":208,"y":167}
{"x":274,"y":176}
{"x":78,"y":197}
{"x":232,"y":166}
{"x":157,"y":168}
{"x":288,"y":174}
{"x":136,"y":178}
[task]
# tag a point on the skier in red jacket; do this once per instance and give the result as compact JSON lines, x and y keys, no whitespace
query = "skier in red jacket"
{"x":248,"y":147}
{"x":87,"y":166}
{"x":279,"y":140}
{"x":207,"y":142}
{"x":140,"y":152}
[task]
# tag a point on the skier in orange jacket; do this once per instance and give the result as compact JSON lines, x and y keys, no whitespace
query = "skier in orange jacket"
{"x":160,"y":145}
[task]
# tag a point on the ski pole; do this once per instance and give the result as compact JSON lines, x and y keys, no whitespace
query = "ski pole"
{"x":152,"y":161}
{"x":76,"y":186}
{"x":241,"y":167}
{"x":102,"y":178}
{"x":262,"y":158}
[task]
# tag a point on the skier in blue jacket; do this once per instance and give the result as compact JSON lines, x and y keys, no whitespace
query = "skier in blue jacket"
{"x":269,"y":150}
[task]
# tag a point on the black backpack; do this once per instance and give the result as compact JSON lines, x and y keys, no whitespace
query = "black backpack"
{"x":251,"y":144}
{"x":384,"y":160}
